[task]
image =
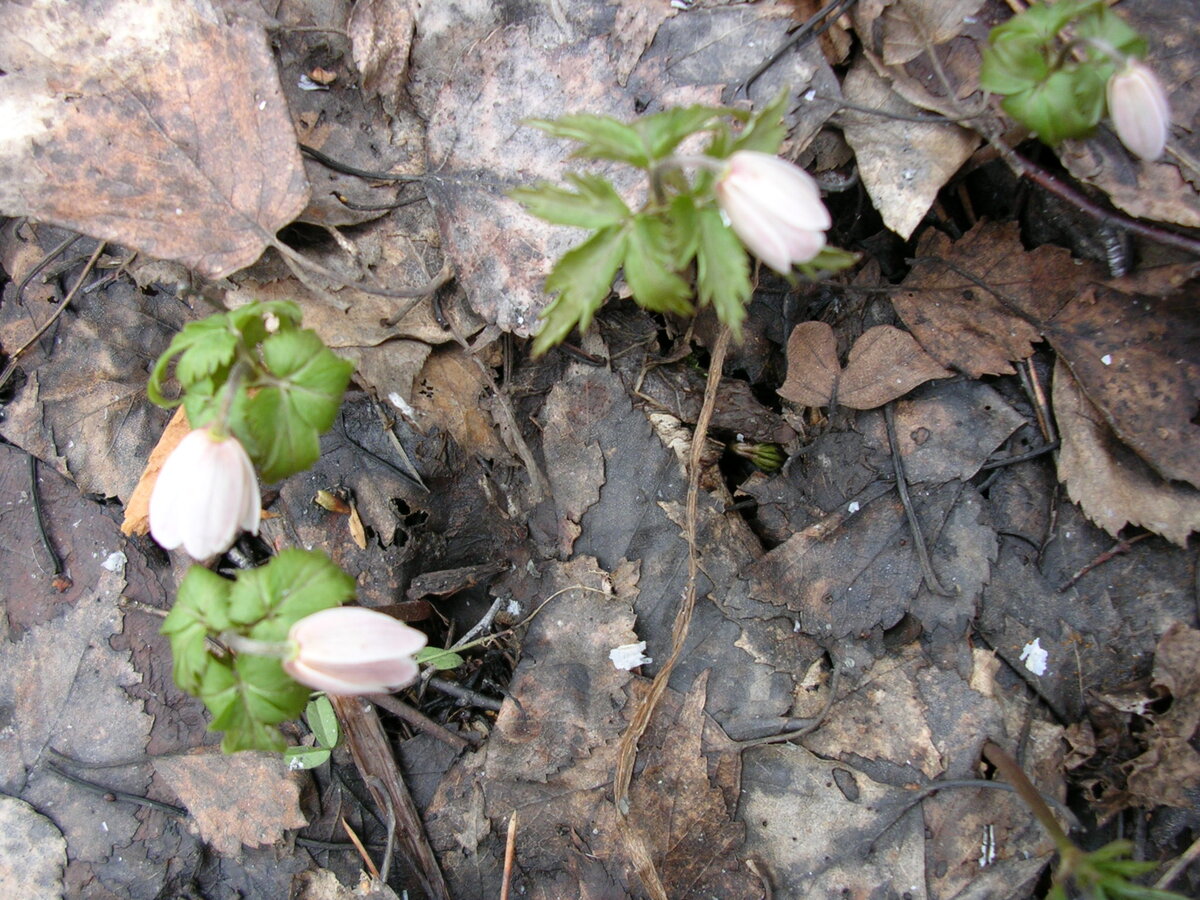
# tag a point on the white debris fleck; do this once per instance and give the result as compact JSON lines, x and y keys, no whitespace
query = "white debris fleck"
{"x":514,"y":607}
{"x":853,"y":507}
{"x":629,"y":656}
{"x":116,"y":562}
{"x":1106,"y":359}
{"x":262,"y":105}
{"x":987,"y":847}
{"x":401,"y":404}
{"x":1035,"y":657}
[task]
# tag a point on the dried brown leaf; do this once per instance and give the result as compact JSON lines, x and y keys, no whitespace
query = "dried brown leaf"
{"x":33,"y":854}
{"x":236,"y":799}
{"x":903,"y":164}
{"x":1112,"y":485}
{"x":137,"y":509}
{"x":155,"y":125}
{"x":382,"y":33}
{"x":1138,"y":360}
{"x":884,"y":363}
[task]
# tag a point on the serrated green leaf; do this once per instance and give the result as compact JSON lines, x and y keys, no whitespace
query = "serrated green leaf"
{"x":212,"y":348}
{"x":594,"y":204}
{"x":305,"y":757}
{"x":438,"y":658}
{"x":601,"y":137}
{"x":248,"y":698}
{"x":722,"y":271}
{"x":662,"y":132}
{"x":279,"y":441}
{"x":200,"y":610}
{"x":764,"y":131}
{"x":686,"y":227}
{"x":250,"y":319}
{"x":323,"y":722}
{"x":315,"y":377}
{"x":1105,"y":25}
{"x":295,"y":584}
{"x":193,"y":335}
{"x":649,"y":268}
{"x":582,"y":278}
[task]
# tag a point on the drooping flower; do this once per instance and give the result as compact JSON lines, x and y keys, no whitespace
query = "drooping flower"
{"x":352,"y":650}
{"x":205,"y":494}
{"x":774,"y":207}
{"x":1140,"y":113}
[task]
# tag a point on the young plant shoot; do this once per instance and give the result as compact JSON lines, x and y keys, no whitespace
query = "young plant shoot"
{"x":1058,"y":65}
{"x":702,"y":212}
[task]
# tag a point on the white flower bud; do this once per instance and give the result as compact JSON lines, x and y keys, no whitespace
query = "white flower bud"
{"x":774,"y":207}
{"x":1140,"y":113}
{"x":205,"y":494}
{"x":352,"y":650}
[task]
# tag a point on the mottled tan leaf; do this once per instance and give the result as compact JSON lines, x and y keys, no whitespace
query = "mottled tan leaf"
{"x":1112,"y":485}
{"x":236,"y":799}
{"x":157,"y":125}
{"x":903,"y":164}
{"x":33,"y":853}
{"x":382,"y":32}
{"x":884,"y":363}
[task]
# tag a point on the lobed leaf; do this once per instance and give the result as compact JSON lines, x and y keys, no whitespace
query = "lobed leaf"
{"x":582,"y":278}
{"x":602,"y":137}
{"x":722,"y":271}
{"x":650,"y":268}
{"x":595,"y":203}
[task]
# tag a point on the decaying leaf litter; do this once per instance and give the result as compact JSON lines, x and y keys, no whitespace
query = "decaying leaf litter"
{"x":1049,"y":605}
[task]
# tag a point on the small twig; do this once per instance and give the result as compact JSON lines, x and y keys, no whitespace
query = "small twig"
{"x":375,"y":456}
{"x":811,"y":29}
{"x":45,"y":261}
{"x":466,"y":695}
{"x":373,"y":781}
{"x":366,"y":207}
{"x":484,"y":623}
{"x":419,"y":720}
{"x":115,"y":795}
{"x":1015,"y":775}
{"x":1115,"y":550}
{"x":37,"y":514}
{"x":834,"y":682}
{"x":914,"y":524}
{"x":1037,"y":396}
{"x":510,"y":852}
{"x":16,"y":354}
{"x":347,"y":169}
{"x":396,"y":445}
{"x":1189,"y":856}
{"x":1021,"y":457}
{"x":362,"y":851}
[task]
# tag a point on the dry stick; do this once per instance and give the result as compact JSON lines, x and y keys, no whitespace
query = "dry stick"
{"x":16,"y":355}
{"x":362,"y":851}
{"x":45,"y":261}
{"x":374,"y":758}
{"x":419,"y":720}
{"x":834,"y":682}
{"x":1177,"y":867}
{"x":914,"y":524}
{"x":627,"y":751}
{"x":510,"y":852}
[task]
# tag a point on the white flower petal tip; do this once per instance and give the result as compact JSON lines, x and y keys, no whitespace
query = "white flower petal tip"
{"x":774,"y":207}
{"x":352,"y":650}
{"x":205,"y":494}
{"x":1139,"y":109}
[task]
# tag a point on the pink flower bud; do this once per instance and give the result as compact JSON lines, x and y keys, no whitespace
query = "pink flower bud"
{"x":774,"y":207}
{"x":352,"y":650}
{"x":205,"y":494}
{"x":1140,"y":113}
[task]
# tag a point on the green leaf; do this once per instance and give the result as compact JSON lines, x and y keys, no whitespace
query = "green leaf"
{"x":649,"y":268}
{"x":438,"y":658}
{"x":1105,"y":25}
{"x":602,"y":137}
{"x":295,"y":584}
{"x":323,"y":722}
{"x":305,"y":757}
{"x":1068,"y":104}
{"x":248,"y":698}
{"x":1011,"y":66}
{"x":722,"y":271}
{"x":828,"y":260}
{"x":250,"y":319}
{"x":316,"y":377}
{"x":212,"y":347}
{"x":279,"y":441}
{"x":595,"y":203}
{"x":201,"y":609}
{"x":662,"y":132}
{"x":582,"y":278}
{"x":765,"y":130}
{"x":686,"y":224}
